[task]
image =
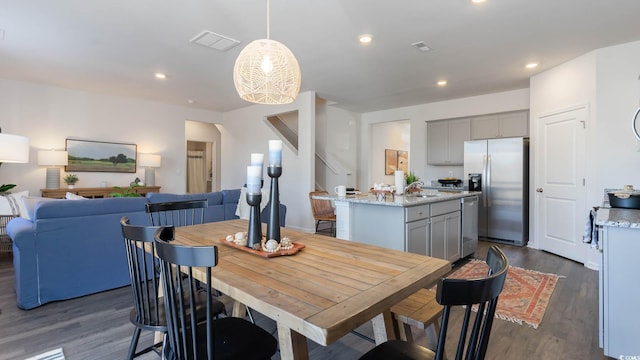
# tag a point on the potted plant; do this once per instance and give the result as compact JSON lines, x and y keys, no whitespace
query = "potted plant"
{"x":6,"y":187}
{"x":71,"y":180}
{"x":411,"y":178}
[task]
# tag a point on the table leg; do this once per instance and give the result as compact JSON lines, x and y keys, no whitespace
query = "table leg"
{"x":239,"y":310}
{"x":292,"y":344}
{"x":383,"y":327}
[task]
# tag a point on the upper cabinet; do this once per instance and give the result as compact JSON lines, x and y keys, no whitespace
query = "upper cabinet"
{"x":510,"y":124}
{"x":445,"y":141}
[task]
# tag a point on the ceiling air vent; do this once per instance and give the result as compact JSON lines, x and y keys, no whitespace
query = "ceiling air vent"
{"x":214,"y":41}
{"x":420,"y":45}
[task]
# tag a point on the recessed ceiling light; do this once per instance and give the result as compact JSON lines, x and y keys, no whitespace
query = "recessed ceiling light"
{"x":442,"y":83}
{"x":160,"y":76}
{"x":190,"y":101}
{"x":477,"y":1}
{"x":365,"y":38}
{"x":420,"y":45}
{"x":531,"y":65}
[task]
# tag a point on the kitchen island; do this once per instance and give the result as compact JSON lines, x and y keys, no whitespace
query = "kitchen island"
{"x":429,"y":223}
{"x":619,"y":244}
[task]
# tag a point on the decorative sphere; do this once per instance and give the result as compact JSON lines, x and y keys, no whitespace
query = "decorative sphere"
{"x":271,"y":245}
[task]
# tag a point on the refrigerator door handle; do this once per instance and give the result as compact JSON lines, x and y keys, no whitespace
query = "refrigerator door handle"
{"x":488,"y":186}
{"x":485,"y":186}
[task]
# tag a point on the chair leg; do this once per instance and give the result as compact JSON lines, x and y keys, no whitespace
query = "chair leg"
{"x":250,"y":315}
{"x":134,"y":343}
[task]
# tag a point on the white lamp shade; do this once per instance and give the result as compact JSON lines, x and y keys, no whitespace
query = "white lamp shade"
{"x":149,"y":160}
{"x":53,"y":157}
{"x":14,"y":148}
{"x":267,"y":72}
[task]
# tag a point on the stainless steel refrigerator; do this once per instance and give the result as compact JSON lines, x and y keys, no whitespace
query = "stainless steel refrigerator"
{"x":500,"y":169}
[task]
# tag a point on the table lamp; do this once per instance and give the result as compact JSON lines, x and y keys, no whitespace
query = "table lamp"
{"x":149,"y":162}
{"x":53,"y":159}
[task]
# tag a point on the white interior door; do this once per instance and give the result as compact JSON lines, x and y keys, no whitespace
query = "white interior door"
{"x":560,"y":183}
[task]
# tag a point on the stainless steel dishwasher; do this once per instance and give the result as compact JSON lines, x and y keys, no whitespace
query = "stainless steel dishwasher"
{"x":469,"y":225}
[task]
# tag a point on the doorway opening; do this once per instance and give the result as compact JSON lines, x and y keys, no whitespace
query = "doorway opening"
{"x":199,"y":167}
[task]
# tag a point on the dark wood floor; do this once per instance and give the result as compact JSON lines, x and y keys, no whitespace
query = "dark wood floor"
{"x":97,"y":326}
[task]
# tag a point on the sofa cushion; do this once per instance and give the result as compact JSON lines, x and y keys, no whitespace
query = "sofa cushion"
{"x":71,"y":208}
{"x":30,"y":202}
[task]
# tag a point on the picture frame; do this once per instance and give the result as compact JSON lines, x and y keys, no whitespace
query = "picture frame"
{"x":390,"y":161}
{"x":100,"y":156}
{"x":403,"y":161}
{"x":395,"y":160}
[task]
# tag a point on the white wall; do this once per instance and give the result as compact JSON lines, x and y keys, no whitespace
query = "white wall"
{"x":608,"y":81}
{"x":244,"y":131}
{"x":337,"y":142}
{"x":48,"y":115}
{"x":394,"y":135}
{"x":565,"y":86}
{"x":618,"y":96}
{"x":418,"y":115}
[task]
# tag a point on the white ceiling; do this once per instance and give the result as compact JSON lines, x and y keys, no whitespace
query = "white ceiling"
{"x":115,"y":46}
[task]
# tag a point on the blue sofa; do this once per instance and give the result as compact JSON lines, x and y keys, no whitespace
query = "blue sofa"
{"x":72,"y":248}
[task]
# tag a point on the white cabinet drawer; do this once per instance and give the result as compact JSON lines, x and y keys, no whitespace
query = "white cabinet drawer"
{"x":444,"y":207}
{"x":416,"y":213}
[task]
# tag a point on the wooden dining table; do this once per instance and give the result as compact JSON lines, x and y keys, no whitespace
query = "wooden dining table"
{"x":324,"y":291}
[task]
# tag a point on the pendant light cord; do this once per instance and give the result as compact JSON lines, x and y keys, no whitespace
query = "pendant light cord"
{"x":268,"y":17}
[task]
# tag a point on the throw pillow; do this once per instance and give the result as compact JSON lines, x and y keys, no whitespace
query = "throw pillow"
{"x":72,"y":196}
{"x":29,"y":204}
{"x":11,"y":204}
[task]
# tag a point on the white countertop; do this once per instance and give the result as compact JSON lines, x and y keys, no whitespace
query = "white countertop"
{"x":618,"y":217}
{"x":403,"y":200}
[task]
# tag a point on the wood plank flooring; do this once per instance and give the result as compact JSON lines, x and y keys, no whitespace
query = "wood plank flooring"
{"x":97,"y":326}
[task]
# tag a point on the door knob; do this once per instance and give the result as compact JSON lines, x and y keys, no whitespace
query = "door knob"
{"x":539,"y":189}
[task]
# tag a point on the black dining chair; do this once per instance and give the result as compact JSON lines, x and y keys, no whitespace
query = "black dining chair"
{"x":182,"y":213}
{"x":223,"y":338}
{"x":177,"y":213}
{"x":472,"y":342}
{"x":148,"y":309}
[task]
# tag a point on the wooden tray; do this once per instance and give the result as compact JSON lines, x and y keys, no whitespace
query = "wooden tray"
{"x":296,"y":247}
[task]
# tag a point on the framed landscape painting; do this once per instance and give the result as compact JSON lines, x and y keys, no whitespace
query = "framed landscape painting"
{"x":99,"y":156}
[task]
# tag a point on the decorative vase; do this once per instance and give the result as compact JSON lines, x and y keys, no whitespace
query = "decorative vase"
{"x":71,"y":186}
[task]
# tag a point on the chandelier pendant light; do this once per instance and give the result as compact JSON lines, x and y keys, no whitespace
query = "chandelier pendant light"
{"x":267,"y":72}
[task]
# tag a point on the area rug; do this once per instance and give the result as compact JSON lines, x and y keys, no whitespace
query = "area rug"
{"x":56,"y":354}
{"x":525,"y":295}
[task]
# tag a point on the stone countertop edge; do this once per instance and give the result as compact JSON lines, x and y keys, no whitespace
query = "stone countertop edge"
{"x":401,"y":200}
{"x":616,"y":217}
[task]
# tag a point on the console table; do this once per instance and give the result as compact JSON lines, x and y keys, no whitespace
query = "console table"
{"x":97,"y":192}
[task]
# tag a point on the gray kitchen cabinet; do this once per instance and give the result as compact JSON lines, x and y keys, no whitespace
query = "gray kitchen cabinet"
{"x":511,"y":124}
{"x":453,"y":236}
{"x":418,"y":234}
{"x":619,"y":293}
{"x":445,"y":232}
{"x":445,"y":141}
{"x":437,"y":234}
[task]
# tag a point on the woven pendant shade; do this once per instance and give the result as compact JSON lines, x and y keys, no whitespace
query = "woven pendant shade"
{"x":266,"y":72}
